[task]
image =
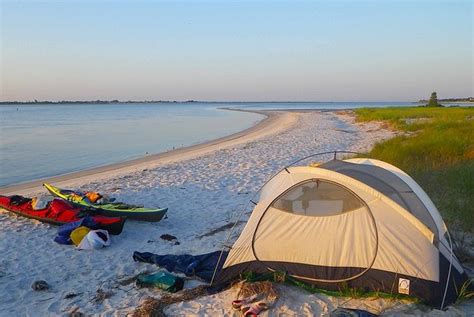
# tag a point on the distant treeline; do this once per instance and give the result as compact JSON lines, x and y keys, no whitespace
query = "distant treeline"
{"x":467,"y":99}
{"x":46,"y":102}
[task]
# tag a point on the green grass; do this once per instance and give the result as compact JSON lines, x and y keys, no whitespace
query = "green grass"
{"x":438,"y":153}
{"x":344,"y":290}
{"x":464,"y":292}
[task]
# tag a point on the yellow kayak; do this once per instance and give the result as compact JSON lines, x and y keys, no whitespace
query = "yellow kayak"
{"x":113,"y":209}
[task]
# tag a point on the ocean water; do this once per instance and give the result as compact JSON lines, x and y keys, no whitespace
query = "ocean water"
{"x":39,"y":141}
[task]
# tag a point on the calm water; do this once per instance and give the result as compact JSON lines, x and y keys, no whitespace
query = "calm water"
{"x":46,"y":140}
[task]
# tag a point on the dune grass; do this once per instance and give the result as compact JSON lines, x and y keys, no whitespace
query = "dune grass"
{"x":437,"y":150}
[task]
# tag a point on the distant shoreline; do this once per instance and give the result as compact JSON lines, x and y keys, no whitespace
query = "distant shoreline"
{"x":106,"y":102}
{"x":449,"y":100}
{"x":467,"y":100}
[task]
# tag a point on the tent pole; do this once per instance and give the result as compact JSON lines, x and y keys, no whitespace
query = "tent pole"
{"x":450,"y":266}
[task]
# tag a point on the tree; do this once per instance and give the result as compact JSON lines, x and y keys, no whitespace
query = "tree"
{"x":433,"y":102}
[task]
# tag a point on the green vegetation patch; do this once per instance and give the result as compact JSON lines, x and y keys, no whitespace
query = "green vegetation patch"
{"x":343,"y":291}
{"x":437,"y":151}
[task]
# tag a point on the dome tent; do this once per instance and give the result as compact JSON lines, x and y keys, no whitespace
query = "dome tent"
{"x":358,"y":223}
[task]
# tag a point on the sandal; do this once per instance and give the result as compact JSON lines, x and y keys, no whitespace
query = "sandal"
{"x":254,"y":309}
{"x":238,"y":303}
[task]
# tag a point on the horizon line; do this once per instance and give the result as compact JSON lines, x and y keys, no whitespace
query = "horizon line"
{"x":200,"y":101}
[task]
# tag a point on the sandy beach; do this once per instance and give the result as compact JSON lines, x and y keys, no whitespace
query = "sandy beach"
{"x":204,"y":186}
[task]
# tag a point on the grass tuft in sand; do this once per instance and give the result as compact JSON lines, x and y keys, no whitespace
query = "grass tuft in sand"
{"x":154,"y":307}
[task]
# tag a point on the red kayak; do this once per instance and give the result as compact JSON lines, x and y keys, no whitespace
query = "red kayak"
{"x":58,"y":212}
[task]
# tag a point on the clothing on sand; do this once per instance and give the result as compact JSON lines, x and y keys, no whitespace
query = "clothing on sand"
{"x":202,"y":266}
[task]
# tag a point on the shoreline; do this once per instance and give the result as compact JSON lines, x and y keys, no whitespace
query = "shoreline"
{"x":275,"y":121}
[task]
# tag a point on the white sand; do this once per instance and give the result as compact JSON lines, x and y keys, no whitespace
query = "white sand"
{"x":203,"y":190}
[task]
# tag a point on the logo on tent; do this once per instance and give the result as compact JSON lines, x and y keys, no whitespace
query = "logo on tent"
{"x":403,"y":286}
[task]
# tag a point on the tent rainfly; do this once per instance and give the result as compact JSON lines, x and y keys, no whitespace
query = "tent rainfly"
{"x":358,"y":223}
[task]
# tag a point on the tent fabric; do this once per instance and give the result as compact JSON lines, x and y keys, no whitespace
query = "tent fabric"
{"x":349,"y":239}
{"x":317,"y":198}
{"x":443,"y":244}
{"x":363,"y":224}
{"x":387,"y":183}
{"x":419,"y":192}
{"x":292,"y":176}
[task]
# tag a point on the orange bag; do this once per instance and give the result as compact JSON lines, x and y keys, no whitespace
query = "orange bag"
{"x":93,"y":196}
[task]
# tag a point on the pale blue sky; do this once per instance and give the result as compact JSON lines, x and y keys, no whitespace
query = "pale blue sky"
{"x":265,"y":50}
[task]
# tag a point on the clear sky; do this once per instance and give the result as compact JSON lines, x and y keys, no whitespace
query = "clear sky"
{"x":233,"y":50}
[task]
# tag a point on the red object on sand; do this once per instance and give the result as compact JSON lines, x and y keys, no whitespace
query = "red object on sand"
{"x":58,"y":212}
